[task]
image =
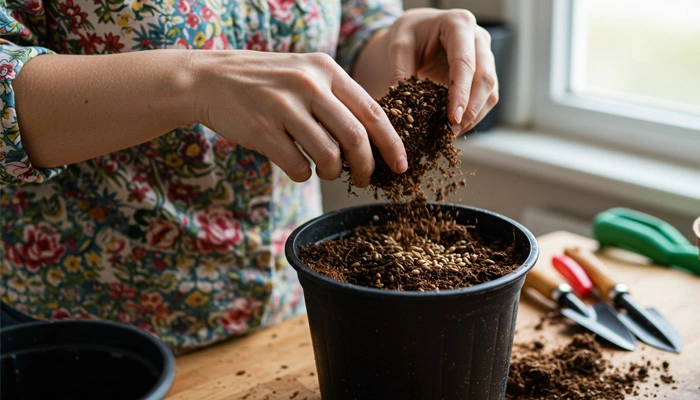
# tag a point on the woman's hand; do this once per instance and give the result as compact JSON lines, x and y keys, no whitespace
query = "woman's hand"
{"x":268,"y":101}
{"x":446,"y":46}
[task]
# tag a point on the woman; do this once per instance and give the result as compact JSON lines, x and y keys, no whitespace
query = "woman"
{"x":118,"y":199}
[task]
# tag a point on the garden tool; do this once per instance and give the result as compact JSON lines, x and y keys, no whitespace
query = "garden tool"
{"x":646,"y":323}
{"x":600,"y":319}
{"x":646,"y":235}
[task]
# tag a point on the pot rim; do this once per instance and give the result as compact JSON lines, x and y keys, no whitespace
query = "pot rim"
{"x":165,"y":380}
{"x":490,"y":286}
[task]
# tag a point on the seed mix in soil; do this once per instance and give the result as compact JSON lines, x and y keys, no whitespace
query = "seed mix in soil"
{"x":576,"y":371}
{"x":416,"y":250}
{"x":412,"y":247}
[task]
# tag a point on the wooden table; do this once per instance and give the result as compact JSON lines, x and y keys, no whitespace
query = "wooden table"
{"x":278,"y":362}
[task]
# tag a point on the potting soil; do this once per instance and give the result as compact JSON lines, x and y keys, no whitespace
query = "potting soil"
{"x":577,"y":371}
{"x":414,"y":250}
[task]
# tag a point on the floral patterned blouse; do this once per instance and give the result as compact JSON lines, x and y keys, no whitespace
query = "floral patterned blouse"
{"x":182,"y":236}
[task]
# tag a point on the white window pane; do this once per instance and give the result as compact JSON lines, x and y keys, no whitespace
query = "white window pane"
{"x":638,"y":51}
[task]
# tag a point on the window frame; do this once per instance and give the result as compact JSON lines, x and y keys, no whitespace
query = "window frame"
{"x":542,"y":51}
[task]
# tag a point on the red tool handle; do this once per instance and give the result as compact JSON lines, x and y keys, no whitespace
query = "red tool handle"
{"x":574,"y":274}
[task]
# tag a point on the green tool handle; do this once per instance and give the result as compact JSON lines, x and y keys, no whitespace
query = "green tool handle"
{"x":610,"y":230}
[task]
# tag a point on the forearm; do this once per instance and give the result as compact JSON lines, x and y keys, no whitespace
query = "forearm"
{"x":372,"y":68}
{"x":72,"y":107}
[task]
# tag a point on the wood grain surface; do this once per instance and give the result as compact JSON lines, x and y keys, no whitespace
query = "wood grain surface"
{"x":277,"y":363}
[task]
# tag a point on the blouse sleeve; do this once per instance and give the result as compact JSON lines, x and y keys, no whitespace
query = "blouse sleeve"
{"x":22,"y":24}
{"x":360,"y":19}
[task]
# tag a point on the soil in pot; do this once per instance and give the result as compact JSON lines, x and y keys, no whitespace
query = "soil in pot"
{"x":413,"y":249}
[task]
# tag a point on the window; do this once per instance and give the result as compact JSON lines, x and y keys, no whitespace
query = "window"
{"x":623,"y":73}
{"x":644,"y":52}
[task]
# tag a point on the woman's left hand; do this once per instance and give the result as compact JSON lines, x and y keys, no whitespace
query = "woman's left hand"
{"x":446,"y":46}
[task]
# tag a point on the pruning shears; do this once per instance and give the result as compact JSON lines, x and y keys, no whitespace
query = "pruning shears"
{"x":646,"y":235}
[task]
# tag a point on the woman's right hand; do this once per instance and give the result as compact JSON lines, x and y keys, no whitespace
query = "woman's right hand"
{"x":268,"y":101}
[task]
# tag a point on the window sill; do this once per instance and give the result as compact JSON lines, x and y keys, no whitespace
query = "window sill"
{"x":664,"y":185}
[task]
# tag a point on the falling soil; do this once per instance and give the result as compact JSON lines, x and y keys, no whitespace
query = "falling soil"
{"x":417,"y":110}
{"x":577,"y":371}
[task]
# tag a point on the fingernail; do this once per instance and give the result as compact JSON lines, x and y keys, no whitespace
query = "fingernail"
{"x":361,"y":184}
{"x":402,"y":164}
{"x":458,"y":114}
{"x":456,"y":128}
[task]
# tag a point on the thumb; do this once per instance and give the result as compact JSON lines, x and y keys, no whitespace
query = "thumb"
{"x":403,"y":59}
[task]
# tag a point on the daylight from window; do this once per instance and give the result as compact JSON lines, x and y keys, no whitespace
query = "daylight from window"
{"x":638,"y":51}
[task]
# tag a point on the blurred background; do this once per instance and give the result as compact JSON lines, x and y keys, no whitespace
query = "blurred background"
{"x":600,"y":108}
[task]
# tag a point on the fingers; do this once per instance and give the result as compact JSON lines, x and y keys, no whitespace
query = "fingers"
{"x":457,"y":36}
{"x":485,"y":83}
{"x":375,"y":122}
{"x":317,"y":144}
{"x":283,"y":152}
{"x":466,"y":125}
{"x":351,"y":136}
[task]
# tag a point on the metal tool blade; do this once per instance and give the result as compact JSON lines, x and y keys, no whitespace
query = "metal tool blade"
{"x":649,"y":326}
{"x":600,"y":319}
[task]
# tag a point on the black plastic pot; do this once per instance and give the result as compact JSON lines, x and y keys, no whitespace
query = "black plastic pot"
{"x":78,"y":359}
{"x":381,"y":344}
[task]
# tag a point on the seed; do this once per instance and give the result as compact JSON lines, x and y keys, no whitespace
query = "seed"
{"x":391,"y":278}
{"x":397,"y":255}
{"x":421,"y":290}
{"x":451,"y":249}
{"x":415,"y":272}
{"x":398,"y":235}
{"x":490,"y":261}
{"x":406,"y":93}
{"x":355,"y":264}
{"x":462,"y":264}
{"x":399,"y":102}
{"x":421,"y":262}
{"x":410,"y":110}
{"x":475,"y":256}
{"x":410,"y":119}
{"x":395,"y":112}
{"x":408,"y":126}
{"x":419,"y":92}
{"x":430,"y":251}
{"x":435,"y":263}
{"x":417,"y":254}
{"x":377,"y":256}
{"x":378,"y":275}
{"x":416,"y":248}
